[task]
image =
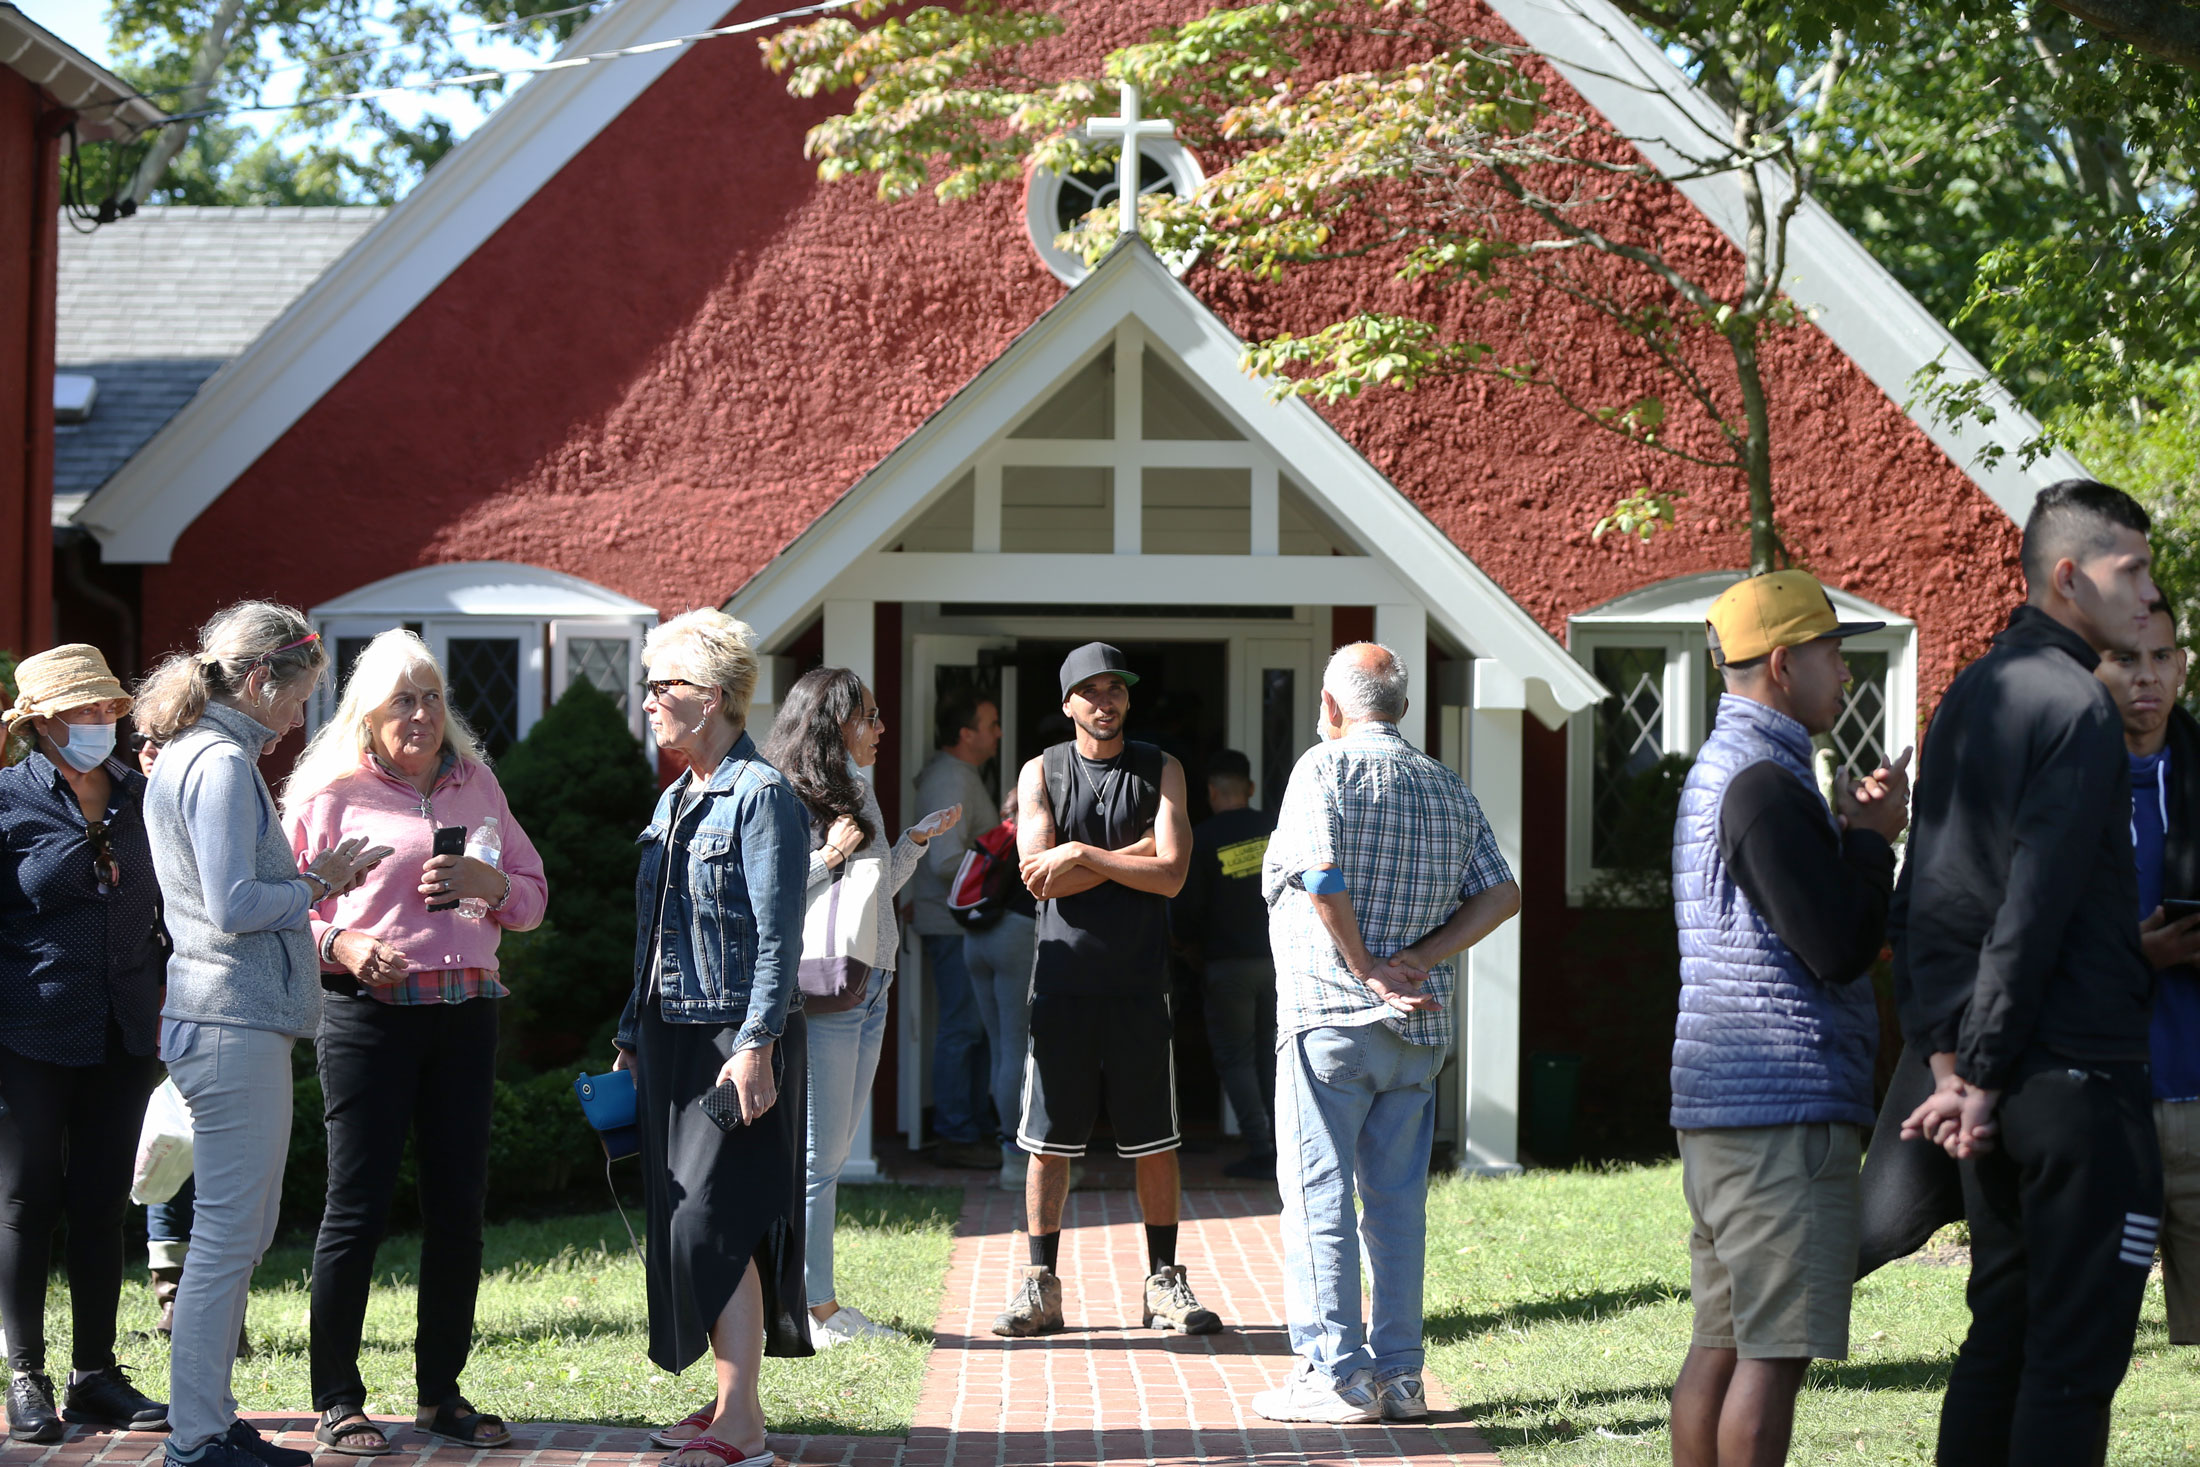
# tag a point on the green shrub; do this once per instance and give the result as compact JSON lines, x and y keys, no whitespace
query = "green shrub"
{"x":580,"y":788}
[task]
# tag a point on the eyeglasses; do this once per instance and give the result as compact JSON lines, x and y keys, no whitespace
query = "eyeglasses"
{"x":874,"y":719}
{"x":655,"y":687}
{"x":103,"y":853}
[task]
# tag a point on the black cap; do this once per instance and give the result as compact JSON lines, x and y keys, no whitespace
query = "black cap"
{"x":1091,"y":660}
{"x":1228,"y":764}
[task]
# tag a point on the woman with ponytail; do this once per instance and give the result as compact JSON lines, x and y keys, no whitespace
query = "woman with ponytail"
{"x":243,"y":981}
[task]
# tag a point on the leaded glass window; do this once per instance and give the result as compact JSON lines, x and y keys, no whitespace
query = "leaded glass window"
{"x":603,"y":661}
{"x":1630,"y":744}
{"x":1095,"y":188}
{"x":1860,"y":733}
{"x":484,"y":673}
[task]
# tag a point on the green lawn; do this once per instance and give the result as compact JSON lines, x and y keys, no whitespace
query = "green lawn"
{"x":1558,"y":1313}
{"x":560,"y":1334}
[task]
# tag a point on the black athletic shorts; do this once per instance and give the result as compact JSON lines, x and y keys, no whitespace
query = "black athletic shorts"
{"x":1086,"y":1045}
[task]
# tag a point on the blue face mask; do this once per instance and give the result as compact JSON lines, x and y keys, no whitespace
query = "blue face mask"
{"x":88,"y":746}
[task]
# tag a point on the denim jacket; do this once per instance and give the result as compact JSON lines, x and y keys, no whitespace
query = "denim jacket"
{"x":732,"y":921}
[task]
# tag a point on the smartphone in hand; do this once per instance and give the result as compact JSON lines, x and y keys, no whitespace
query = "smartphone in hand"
{"x":450,"y":840}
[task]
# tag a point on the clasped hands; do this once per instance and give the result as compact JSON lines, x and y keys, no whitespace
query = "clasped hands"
{"x":379,"y":964}
{"x":1400,"y":981}
{"x":1958,"y":1116}
{"x":1879,"y":802}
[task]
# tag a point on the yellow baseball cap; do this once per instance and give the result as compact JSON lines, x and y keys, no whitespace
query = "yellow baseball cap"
{"x":1781,"y":609}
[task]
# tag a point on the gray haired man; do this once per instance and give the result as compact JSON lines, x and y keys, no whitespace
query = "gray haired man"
{"x":1380,"y":872}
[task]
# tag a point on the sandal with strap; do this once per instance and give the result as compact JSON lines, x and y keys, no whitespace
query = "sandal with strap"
{"x":348,"y":1431}
{"x":725,"y":1453}
{"x":700,"y":1418}
{"x":455,"y":1420}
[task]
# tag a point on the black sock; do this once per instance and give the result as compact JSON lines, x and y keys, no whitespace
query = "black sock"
{"x":1045,"y":1248}
{"x":1160,"y":1245}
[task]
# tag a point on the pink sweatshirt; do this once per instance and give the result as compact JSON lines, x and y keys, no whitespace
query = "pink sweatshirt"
{"x":388,"y":905}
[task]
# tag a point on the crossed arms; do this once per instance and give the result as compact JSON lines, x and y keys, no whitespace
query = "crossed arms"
{"x":1053,"y":868}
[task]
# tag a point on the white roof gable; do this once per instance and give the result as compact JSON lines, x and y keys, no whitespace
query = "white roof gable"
{"x":1406,"y":551}
{"x":483,"y":588}
{"x":139,"y":513}
{"x":1687,"y":599}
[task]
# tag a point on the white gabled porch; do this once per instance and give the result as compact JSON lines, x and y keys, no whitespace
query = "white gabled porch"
{"x":1115,"y":475}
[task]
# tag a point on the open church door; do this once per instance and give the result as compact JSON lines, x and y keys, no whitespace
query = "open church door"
{"x":938,"y":666}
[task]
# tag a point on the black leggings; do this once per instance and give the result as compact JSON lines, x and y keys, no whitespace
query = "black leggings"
{"x":1911,"y":1189}
{"x":68,"y":1145}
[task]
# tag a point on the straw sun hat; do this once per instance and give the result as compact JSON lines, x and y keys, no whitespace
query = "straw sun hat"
{"x":61,"y":678}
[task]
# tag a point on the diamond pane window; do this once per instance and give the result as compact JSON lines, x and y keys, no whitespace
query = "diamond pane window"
{"x":603,"y":661}
{"x":1860,"y":733}
{"x":1630,"y":742}
{"x":484,"y":673}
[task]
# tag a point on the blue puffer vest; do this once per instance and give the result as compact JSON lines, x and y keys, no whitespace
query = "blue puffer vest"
{"x":1761,"y":1042}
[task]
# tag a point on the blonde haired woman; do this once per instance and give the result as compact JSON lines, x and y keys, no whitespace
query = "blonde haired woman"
{"x":719,"y":907}
{"x":409,"y":1029}
{"x":242,"y":980}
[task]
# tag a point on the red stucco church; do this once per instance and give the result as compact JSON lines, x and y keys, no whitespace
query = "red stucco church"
{"x":622,"y":354}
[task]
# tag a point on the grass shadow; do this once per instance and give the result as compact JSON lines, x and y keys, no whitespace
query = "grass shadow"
{"x":1452,"y":1325}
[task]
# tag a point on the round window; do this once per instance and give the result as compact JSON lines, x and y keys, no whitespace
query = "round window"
{"x":1053,"y":202}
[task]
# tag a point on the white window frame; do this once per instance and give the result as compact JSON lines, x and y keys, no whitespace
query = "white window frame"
{"x":1670,"y":615}
{"x":563,"y":630}
{"x":1042,"y":197}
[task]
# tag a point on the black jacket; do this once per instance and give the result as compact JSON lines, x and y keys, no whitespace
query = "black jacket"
{"x":2013,"y":919}
{"x":2181,"y":842}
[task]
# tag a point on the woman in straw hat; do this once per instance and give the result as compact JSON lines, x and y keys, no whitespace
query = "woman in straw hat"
{"x":243,"y":981}
{"x":80,"y":975}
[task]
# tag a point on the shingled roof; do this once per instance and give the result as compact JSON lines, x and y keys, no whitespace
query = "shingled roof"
{"x":155,"y":305}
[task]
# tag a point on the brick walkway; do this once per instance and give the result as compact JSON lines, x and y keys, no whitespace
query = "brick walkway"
{"x":1105,"y":1390}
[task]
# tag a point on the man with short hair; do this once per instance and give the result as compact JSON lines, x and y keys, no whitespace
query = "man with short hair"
{"x":1781,"y":905}
{"x":968,"y":733}
{"x":1221,"y":915}
{"x":1381,"y":871}
{"x":2021,"y":974}
{"x":1104,"y":840}
{"x":2162,"y":742}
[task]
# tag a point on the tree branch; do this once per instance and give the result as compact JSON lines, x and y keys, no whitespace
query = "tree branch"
{"x":2167,"y":30}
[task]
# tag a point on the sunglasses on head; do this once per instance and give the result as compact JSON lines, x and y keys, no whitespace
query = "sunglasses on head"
{"x":104,"y":866}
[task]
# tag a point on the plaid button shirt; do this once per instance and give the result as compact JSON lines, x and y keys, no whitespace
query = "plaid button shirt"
{"x":441,"y":985}
{"x":1411,"y":844}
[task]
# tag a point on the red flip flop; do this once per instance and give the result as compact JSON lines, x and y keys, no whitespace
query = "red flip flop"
{"x":699,"y":1419}
{"x":727,"y":1454}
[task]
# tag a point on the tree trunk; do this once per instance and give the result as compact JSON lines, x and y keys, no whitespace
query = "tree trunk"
{"x":214,"y":48}
{"x":1765,"y":549}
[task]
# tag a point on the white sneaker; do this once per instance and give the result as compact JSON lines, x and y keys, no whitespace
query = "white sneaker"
{"x":1403,"y":1398}
{"x":1308,"y":1397}
{"x":1014,"y":1170}
{"x":847,"y":1325}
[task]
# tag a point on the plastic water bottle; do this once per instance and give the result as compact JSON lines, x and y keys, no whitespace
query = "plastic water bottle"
{"x":483,"y":845}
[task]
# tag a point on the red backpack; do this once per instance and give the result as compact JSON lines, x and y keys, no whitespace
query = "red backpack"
{"x":978,"y":896}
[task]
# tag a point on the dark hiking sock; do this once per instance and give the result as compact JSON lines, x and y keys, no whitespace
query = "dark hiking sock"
{"x":1160,"y":1246}
{"x":1045,"y":1248}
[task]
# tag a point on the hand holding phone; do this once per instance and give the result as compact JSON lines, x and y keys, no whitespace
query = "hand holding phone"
{"x":450,"y":840}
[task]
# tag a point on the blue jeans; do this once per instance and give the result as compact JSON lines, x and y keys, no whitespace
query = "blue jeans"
{"x":1355,"y":1102}
{"x":958,"y":1049}
{"x":1241,"y":1027}
{"x":168,"y":1228}
{"x":844,"y":1051}
{"x":1000,"y":960}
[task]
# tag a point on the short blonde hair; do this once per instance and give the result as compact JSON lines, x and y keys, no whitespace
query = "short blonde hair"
{"x":710,"y":649}
{"x":395,"y":659}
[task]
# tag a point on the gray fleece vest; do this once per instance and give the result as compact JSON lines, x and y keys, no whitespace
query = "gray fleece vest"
{"x":254,"y":980}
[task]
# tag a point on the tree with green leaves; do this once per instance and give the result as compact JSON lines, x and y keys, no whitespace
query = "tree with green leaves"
{"x":1450,"y":159}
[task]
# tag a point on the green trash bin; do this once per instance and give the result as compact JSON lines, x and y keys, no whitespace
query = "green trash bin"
{"x":1554,"y":1088}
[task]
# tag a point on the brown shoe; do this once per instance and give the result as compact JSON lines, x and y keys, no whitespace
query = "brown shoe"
{"x":1171,"y":1307}
{"x":976,"y":1156}
{"x":1037,"y":1307}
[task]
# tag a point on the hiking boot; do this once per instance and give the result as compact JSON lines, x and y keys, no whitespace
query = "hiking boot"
{"x":1403,"y":1399}
{"x":1310,"y":1397}
{"x":31,"y":1416}
{"x":1171,"y":1307}
{"x":106,"y":1398}
{"x":1037,"y":1307}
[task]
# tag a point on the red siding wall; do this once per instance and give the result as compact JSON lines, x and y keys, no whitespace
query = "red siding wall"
{"x":29,"y":215}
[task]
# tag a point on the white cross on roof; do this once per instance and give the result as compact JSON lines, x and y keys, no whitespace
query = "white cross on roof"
{"x":1128,"y":127}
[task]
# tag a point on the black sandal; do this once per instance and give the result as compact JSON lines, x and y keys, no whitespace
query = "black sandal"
{"x":457,"y":1421}
{"x":345,"y":1429}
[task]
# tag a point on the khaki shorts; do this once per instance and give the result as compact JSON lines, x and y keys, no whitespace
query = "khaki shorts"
{"x":1772,"y":1258}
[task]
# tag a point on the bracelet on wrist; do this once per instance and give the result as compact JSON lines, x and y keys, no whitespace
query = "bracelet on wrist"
{"x":505,"y":895}
{"x":328,"y":943}
{"x":315,"y":878}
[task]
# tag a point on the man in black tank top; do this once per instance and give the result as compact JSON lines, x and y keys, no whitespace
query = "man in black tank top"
{"x":1105,"y":843}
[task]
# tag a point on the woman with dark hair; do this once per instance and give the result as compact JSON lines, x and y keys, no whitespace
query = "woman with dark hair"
{"x":827,"y":733}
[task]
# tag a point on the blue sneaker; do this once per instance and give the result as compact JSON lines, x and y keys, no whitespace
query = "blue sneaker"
{"x":253,"y":1448}
{"x":216,"y":1453}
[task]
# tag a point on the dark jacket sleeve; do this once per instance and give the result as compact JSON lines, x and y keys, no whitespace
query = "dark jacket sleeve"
{"x":1188,"y":908}
{"x":1823,"y":891}
{"x":2069,"y":790}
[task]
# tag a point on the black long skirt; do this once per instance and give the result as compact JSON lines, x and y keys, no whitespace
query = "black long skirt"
{"x":719,"y":1199}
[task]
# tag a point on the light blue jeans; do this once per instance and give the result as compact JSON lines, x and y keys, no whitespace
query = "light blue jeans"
{"x":1000,"y":960}
{"x":1352,"y":1104}
{"x":844,"y":1051}
{"x":958,"y":1049}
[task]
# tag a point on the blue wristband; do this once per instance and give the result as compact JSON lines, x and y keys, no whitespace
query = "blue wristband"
{"x":1323,"y":882}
